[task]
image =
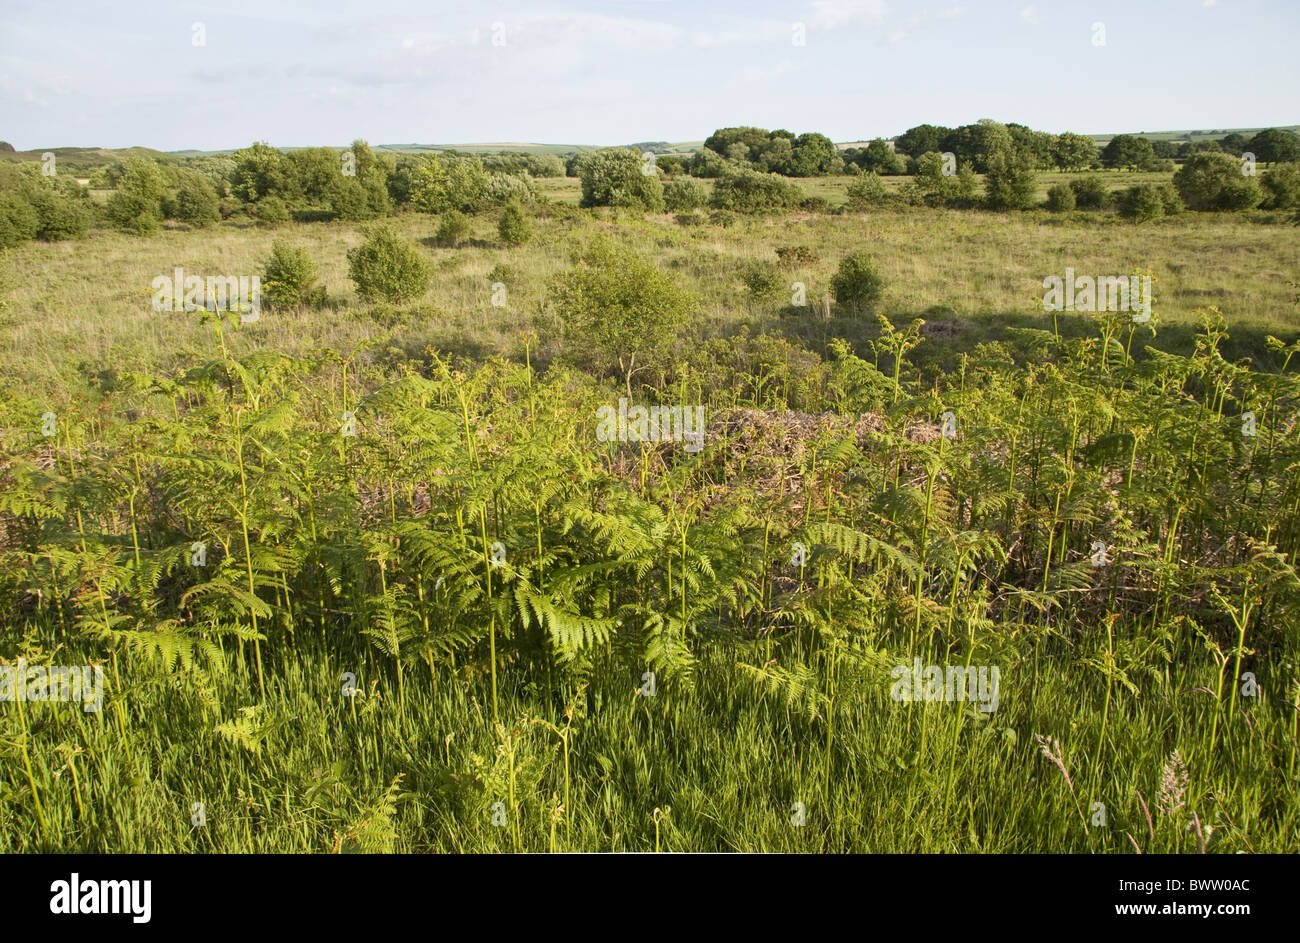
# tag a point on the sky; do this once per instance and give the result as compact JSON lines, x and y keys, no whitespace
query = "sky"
{"x":176,"y":75}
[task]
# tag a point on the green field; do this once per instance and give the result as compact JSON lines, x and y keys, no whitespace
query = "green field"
{"x":503,"y":701}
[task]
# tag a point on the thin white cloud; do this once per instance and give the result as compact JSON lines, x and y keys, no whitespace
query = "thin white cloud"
{"x":1030,"y":15}
{"x":832,"y":14}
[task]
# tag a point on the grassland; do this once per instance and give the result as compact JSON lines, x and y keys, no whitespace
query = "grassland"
{"x":505,"y":707}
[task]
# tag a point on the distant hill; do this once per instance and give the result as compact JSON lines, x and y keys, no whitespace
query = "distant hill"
{"x":1194,"y":135}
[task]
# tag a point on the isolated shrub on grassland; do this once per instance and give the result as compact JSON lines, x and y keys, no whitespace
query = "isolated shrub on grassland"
{"x":1148,"y":201}
{"x":514,"y":228}
{"x":763,"y":279}
{"x":857,"y":285}
{"x":723,"y":218}
{"x":867,"y":190}
{"x":453,"y":229}
{"x":290,"y":278}
{"x":620,"y":309}
{"x":1090,"y":193}
{"x":796,"y":255}
{"x":386,"y":267}
{"x":1060,"y":198}
{"x":1214,"y":182}
{"x":689,"y":219}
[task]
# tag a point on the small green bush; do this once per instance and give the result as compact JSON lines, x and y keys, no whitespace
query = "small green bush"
{"x":1141,"y":203}
{"x":271,"y":210}
{"x":763,"y":280}
{"x":867,"y":190}
{"x":388,"y":268}
{"x":1090,"y":193}
{"x":1060,"y":198}
{"x":857,"y":285}
{"x":684,"y":194}
{"x":452,"y":230}
{"x":796,"y":255}
{"x":290,"y":279}
{"x":514,"y":227}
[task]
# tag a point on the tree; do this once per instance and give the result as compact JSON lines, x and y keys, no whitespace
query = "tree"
{"x":196,"y":200}
{"x":615,"y":176}
{"x":445,"y":182}
{"x":879,"y":157}
{"x":1073,"y":151}
{"x":1233,"y":144}
{"x":1127,"y":152}
{"x":1037,"y":145}
{"x":1010,"y":181}
{"x":814,"y":155}
{"x":1273,"y":146}
{"x":514,"y":228}
{"x":387,"y":267}
{"x":261,"y":170}
{"x":136,"y":204}
{"x":918,"y":140}
{"x":620,"y":309}
{"x":1215,"y":182}
{"x":856,"y":284}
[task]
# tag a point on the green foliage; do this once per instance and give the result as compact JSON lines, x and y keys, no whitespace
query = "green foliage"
{"x":1274,"y":145}
{"x":763,"y":280}
{"x":1073,"y":151}
{"x":616,"y":176}
{"x":271,"y":210}
{"x":289,"y":279}
{"x":1010,"y":182}
{"x":453,"y":229}
{"x":445,"y":182}
{"x":748,"y":191}
{"x":136,"y":204}
{"x":867,"y":191}
{"x":514,"y":228}
{"x":1090,"y":193}
{"x":1281,"y":186}
{"x":511,"y":188}
{"x":386,"y":267}
{"x":1127,"y":152}
{"x":19,"y":221}
{"x":1060,"y":198}
{"x":684,"y":194}
{"x":619,"y":309}
{"x":196,"y":200}
{"x":1215,"y":182}
{"x":1141,"y":203}
{"x":856,"y":283}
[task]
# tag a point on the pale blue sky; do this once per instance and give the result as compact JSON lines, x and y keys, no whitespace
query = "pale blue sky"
{"x":578,"y":72}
